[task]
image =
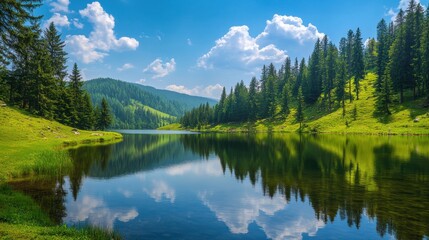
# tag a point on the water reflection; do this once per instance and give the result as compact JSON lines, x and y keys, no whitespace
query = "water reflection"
{"x":247,"y":186}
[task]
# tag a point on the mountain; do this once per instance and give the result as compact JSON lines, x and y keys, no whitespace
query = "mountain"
{"x":135,"y":106}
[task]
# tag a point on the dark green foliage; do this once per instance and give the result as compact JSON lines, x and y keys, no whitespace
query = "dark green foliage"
{"x":104,"y":118}
{"x":358,"y":63}
{"x":400,"y":57}
{"x":370,"y":56}
{"x":300,"y":109}
{"x":285,"y":99}
{"x":341,"y":83}
{"x":135,"y":106}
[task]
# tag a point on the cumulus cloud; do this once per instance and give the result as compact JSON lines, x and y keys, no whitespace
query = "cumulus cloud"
{"x":289,"y":27}
{"x":209,"y":168}
{"x":59,"y":21}
{"x":77,"y":24}
{"x":95,"y":211}
{"x":237,"y":47}
{"x":159,"y":69}
{"x":161,"y":190}
{"x":124,"y":67}
{"x":211,"y":91}
{"x":60,"y":6}
{"x":102,"y":38}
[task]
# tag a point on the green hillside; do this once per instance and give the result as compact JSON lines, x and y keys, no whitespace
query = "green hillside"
{"x":141,"y":107}
{"x":28,"y":143}
{"x":411,"y":117}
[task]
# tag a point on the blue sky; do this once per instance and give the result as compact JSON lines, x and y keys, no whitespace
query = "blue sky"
{"x":197,"y":47}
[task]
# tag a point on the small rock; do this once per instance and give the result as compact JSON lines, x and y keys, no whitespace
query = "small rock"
{"x":76,"y":133}
{"x":416,"y":120}
{"x":3,"y":105}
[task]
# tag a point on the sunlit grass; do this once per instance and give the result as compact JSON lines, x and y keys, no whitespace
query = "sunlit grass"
{"x":32,"y":145}
{"x":361,"y":117}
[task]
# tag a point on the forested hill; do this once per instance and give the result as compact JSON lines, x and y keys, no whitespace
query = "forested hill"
{"x":137,"y":106}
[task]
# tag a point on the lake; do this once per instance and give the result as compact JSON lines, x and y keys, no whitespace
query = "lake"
{"x":176,"y":185}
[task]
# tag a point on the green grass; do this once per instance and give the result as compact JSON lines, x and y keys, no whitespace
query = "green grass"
{"x":31,"y":145}
{"x":21,"y":218}
{"x":365,"y":121}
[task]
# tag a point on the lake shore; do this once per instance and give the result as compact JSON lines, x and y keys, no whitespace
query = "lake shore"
{"x":32,"y":146}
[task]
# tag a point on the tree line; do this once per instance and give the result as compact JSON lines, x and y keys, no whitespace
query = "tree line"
{"x":33,"y":70}
{"x":331,"y":76}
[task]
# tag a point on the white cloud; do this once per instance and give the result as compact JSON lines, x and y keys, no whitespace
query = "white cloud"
{"x":161,"y":190}
{"x":124,"y":67}
{"x":60,"y":6}
{"x":237,"y":48}
{"x":96,"y":212}
{"x":189,"y":41}
{"x":403,"y":4}
{"x":211,"y":91}
{"x":160,"y":69}
{"x":59,"y":21}
{"x":102,"y":38}
{"x":289,"y":27}
{"x":209,"y":168}
{"x":77,"y":24}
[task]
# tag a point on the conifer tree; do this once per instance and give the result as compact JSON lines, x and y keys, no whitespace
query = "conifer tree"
{"x":104,"y":117}
{"x":358,"y":64}
{"x":300,"y":109}
{"x":285,"y":99}
{"x":253,"y":105}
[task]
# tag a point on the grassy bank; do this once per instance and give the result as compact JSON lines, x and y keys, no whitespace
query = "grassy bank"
{"x":31,"y":146}
{"x":361,"y":117}
{"x":27,"y":143}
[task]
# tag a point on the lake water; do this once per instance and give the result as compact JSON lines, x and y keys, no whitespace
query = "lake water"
{"x":158,"y":185}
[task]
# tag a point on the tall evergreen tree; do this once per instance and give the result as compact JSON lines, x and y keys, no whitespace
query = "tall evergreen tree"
{"x":358,"y":63}
{"x":341,"y":83}
{"x":425,"y":54}
{"x":253,"y":98}
{"x":382,"y":52}
{"x":331,"y":67}
{"x":285,"y":99}
{"x":349,"y":60}
{"x":300,"y":109}
{"x":104,"y":117}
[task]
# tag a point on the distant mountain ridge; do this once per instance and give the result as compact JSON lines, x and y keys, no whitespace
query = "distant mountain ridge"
{"x":136,"y":106}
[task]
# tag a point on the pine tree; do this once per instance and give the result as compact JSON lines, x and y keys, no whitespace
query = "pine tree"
{"x":87,"y":114}
{"x":104,"y":118}
{"x":397,"y":57}
{"x":341,"y":83}
{"x":331,"y":62}
{"x":425,"y":54}
{"x":349,"y":60}
{"x":312,"y":86}
{"x":76,"y":93}
{"x":382,"y":52}
{"x":358,"y":64}
{"x":14,"y":14}
{"x":370,"y":56}
{"x":253,"y":105}
{"x":285,"y":99}
{"x":300,"y":109}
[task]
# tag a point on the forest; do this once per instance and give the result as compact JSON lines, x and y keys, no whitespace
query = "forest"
{"x":399,"y":56}
{"x":33,"y":71}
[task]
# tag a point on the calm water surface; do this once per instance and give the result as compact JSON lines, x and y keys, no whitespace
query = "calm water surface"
{"x":155,"y":185}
